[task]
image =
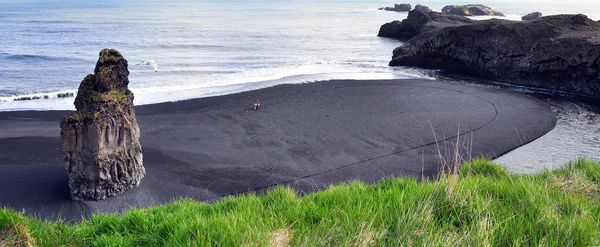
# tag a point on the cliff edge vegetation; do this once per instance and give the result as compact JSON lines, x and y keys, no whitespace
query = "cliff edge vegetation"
{"x":480,"y":205}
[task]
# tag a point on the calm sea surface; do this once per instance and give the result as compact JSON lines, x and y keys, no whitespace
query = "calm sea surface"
{"x":206,"y":48}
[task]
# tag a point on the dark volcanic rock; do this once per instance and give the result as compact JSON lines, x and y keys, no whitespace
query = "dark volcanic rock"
{"x":456,"y":10}
{"x":64,"y":95}
{"x":555,"y":52}
{"x":478,"y":9}
{"x":100,"y":141}
{"x":422,"y":8}
{"x":470,"y":10}
{"x":23,"y":98}
{"x":391,"y":30}
{"x":532,"y":16}
{"x":419,"y":22}
{"x":403,"y":7}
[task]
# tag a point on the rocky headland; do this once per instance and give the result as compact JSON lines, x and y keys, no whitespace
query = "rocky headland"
{"x":418,"y":22}
{"x":100,"y":141}
{"x":560,"y":52}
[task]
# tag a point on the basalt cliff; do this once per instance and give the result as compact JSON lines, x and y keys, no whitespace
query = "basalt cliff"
{"x":100,"y":141}
{"x":560,"y":52}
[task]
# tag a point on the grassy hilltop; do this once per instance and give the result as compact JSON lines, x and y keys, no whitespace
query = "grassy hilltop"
{"x":480,"y":205}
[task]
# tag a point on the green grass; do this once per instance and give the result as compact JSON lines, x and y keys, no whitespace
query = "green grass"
{"x":109,"y":56}
{"x":114,"y":97}
{"x":110,"y":52}
{"x":77,"y":118}
{"x":481,"y":205}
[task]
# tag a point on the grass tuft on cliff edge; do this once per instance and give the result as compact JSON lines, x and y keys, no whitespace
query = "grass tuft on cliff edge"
{"x":480,"y":205}
{"x":110,"y":52}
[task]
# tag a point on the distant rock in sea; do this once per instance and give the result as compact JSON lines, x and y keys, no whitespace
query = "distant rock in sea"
{"x":560,"y":52}
{"x":64,"y":95}
{"x":44,"y":96}
{"x":100,"y":141}
{"x":531,"y":16}
{"x":419,"y":22}
{"x":24,"y":98}
{"x":403,"y":7}
{"x":470,"y":10}
{"x":422,"y":8}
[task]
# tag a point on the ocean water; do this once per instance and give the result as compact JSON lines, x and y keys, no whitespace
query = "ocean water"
{"x":212,"y":47}
{"x":204,"y":48}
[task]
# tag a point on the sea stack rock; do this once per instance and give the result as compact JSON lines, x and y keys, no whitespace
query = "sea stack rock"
{"x":100,"y":141}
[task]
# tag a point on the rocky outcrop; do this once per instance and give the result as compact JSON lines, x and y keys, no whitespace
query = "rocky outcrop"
{"x":392,"y":30}
{"x":555,"y":52}
{"x":422,"y":8}
{"x":470,"y":10}
{"x":456,"y":10}
{"x":44,"y":96}
{"x":64,"y":95}
{"x":419,"y":22}
{"x":532,"y":16}
{"x":403,"y":7}
{"x":100,"y":141}
{"x":479,"y":10}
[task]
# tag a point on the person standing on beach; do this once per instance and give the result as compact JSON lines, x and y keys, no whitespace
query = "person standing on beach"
{"x":256,"y":105}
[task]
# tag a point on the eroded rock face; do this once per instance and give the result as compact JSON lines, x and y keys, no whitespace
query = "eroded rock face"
{"x":419,"y":22}
{"x":100,"y":141}
{"x":470,"y":10}
{"x":559,"y":52}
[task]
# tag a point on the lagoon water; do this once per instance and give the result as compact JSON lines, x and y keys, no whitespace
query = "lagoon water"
{"x":576,"y":135}
{"x":213,"y":47}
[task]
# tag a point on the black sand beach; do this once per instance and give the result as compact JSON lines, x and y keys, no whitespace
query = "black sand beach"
{"x":306,"y":136}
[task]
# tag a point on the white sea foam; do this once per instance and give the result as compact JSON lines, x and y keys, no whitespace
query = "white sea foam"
{"x":37,"y":97}
{"x":248,"y":80}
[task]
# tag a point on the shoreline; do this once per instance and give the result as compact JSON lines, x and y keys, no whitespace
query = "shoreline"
{"x":306,"y":136}
{"x":50,"y":102}
{"x":445,"y":77}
